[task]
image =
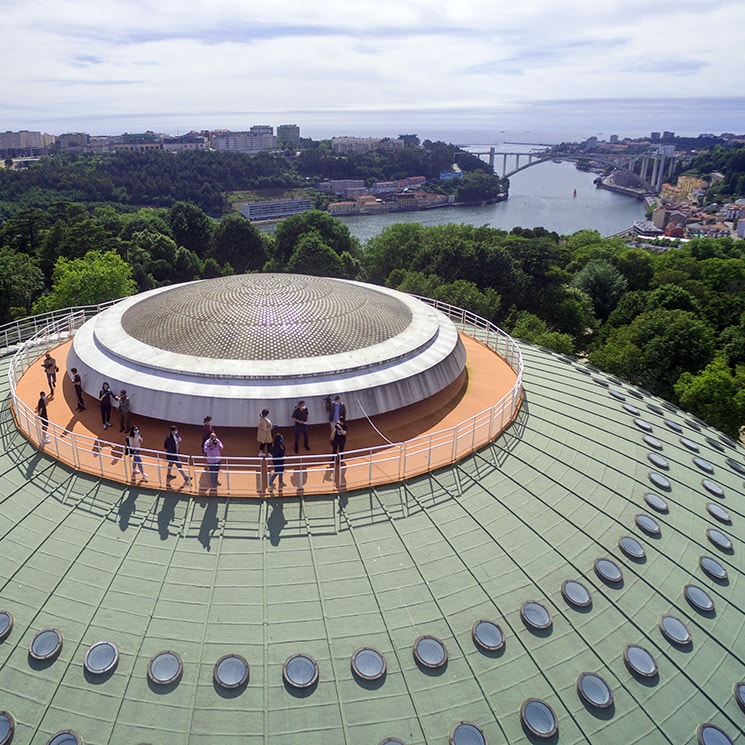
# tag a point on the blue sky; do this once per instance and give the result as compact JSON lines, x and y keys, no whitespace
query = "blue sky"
{"x":110,"y":66}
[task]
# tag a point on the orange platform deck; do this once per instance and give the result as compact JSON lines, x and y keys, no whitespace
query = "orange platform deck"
{"x":427,"y":435}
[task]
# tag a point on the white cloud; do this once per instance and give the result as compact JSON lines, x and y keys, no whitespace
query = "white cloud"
{"x":72,"y":59}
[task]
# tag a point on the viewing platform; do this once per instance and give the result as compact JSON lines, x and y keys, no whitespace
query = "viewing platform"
{"x":388,"y":447}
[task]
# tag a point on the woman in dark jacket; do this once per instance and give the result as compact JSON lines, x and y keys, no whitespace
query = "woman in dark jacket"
{"x":278,"y":452}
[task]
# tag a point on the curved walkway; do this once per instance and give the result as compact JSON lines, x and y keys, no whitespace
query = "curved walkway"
{"x":435,"y":433}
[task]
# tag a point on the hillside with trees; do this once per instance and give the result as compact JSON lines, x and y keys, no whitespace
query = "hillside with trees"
{"x":671,"y":322}
{"x":130,"y":180}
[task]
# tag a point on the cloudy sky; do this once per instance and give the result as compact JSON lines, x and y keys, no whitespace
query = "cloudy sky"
{"x":109,"y":65}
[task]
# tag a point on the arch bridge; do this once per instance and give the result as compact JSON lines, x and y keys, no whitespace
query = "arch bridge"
{"x":626,"y":163}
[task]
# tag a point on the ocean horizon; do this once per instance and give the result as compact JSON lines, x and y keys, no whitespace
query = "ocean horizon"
{"x":539,"y":122}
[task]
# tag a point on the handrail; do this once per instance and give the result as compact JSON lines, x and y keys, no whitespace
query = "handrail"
{"x":249,"y":476}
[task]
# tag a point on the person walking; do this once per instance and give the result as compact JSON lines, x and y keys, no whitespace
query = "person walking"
{"x":134,"y":444}
{"x":124,"y":411}
{"x":300,"y":417}
{"x":213,"y":450}
{"x":77,"y":385}
{"x":172,"y":446}
{"x":50,"y":368}
{"x":278,"y":453}
{"x":41,"y":410}
{"x":264,"y":432}
{"x":105,"y":395}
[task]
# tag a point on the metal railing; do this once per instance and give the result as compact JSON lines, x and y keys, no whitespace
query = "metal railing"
{"x":250,"y":476}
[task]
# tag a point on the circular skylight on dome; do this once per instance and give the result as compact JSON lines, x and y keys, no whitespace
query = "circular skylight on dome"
{"x":643,"y":424}
{"x":594,"y":690}
{"x":300,"y":671}
{"x":600,"y":381}
{"x":736,"y":466}
{"x":467,"y":733}
{"x":608,"y":570}
{"x":430,"y":652}
{"x":740,"y":694}
{"x":693,"y":425}
{"x":698,"y":598}
{"x":660,"y":481}
{"x":165,"y":668}
{"x":703,"y":464}
{"x":674,"y":630}
{"x":658,"y":461}
{"x":368,"y":663}
{"x":535,"y":615}
{"x":6,"y":623}
{"x":488,"y":635}
{"x":631,"y":409}
{"x":690,"y":444}
{"x":656,"y":502}
{"x":639,"y":661}
{"x":46,"y":645}
{"x":719,"y":539}
{"x":652,"y":442}
{"x":713,"y":568}
{"x":715,"y":444}
{"x":647,"y":523}
{"x":712,"y":487}
{"x":66,"y":737}
{"x":7,"y":727}
{"x":576,"y":594}
{"x":717,"y":511}
{"x":391,"y":741}
{"x":710,"y":734}
{"x":231,"y":671}
{"x":656,"y":409}
{"x":674,"y":426}
{"x":617,"y":394}
{"x":631,"y":547}
{"x":101,"y":658}
{"x":539,"y":718}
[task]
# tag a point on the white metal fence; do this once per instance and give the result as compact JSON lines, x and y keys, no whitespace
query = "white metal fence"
{"x":249,"y":477}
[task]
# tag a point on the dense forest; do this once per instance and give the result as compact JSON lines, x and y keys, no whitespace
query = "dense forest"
{"x":672,"y":322}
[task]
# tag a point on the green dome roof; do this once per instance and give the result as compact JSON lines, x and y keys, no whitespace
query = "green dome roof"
{"x":494,"y":538}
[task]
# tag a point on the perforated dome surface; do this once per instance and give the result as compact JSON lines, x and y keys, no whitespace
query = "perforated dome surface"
{"x":267,"y":316}
{"x":233,"y":346}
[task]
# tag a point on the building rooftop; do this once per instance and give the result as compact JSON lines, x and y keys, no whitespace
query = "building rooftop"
{"x":495,"y":538}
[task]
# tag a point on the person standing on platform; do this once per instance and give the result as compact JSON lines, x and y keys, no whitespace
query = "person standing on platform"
{"x":50,"y":368}
{"x":77,"y":385}
{"x":206,"y":429}
{"x":41,"y":410}
{"x":134,"y":443}
{"x":105,"y":395}
{"x":278,"y":453}
{"x":339,"y":440}
{"x":124,"y":411}
{"x":338,"y":411}
{"x":264,"y":432}
{"x":213,"y":450}
{"x":172,"y":445}
{"x":300,"y":417}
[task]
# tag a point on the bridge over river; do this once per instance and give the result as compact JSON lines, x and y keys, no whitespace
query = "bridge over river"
{"x":637,"y":165}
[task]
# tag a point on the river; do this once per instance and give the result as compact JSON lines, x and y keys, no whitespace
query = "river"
{"x":539,"y":196}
